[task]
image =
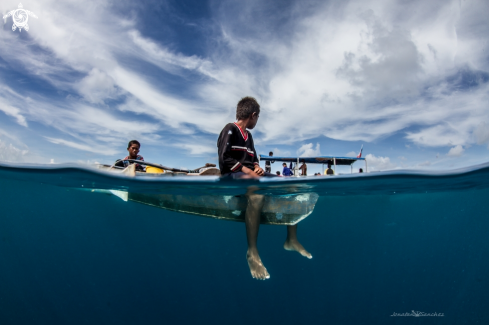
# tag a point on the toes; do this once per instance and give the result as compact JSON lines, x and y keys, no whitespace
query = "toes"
{"x":260,"y":275}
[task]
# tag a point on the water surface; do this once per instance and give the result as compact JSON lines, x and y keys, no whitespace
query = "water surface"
{"x":382,"y":243}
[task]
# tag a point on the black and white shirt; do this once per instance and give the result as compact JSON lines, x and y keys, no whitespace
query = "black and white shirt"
{"x":235,"y":149}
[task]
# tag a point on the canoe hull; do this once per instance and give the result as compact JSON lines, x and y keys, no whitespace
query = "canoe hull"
{"x":277,"y":210}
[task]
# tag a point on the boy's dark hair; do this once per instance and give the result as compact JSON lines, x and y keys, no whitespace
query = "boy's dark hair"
{"x":270,"y":153}
{"x":133,"y":142}
{"x":284,"y":164}
{"x":246,"y":107}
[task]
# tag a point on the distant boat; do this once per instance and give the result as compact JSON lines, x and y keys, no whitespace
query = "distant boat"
{"x":324,"y":160}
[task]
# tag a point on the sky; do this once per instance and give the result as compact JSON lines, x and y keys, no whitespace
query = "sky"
{"x":408,"y":80}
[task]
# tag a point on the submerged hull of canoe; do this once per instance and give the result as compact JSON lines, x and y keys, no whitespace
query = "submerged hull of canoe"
{"x":277,"y":210}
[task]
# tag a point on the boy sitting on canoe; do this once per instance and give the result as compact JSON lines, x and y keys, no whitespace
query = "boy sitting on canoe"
{"x":238,"y":159}
{"x":133,"y":150}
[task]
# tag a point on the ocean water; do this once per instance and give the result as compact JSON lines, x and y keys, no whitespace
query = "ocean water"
{"x":383,"y":243}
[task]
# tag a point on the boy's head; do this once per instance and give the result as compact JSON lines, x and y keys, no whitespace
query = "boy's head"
{"x":270,"y":153}
{"x":284,"y":164}
{"x":248,"y":108}
{"x":133,"y":148}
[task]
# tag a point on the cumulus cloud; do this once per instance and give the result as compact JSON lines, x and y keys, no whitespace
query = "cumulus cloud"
{"x":386,"y":65}
{"x":379,"y":163}
{"x":308,"y":150}
{"x":10,"y":153}
{"x":456,"y":151}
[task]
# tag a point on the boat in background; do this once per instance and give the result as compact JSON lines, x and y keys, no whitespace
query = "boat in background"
{"x":324,"y":160}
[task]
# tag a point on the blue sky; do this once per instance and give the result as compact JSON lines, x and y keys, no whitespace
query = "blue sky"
{"x":407,"y":79}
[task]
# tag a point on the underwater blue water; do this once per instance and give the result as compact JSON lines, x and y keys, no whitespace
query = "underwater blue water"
{"x":382,"y":243}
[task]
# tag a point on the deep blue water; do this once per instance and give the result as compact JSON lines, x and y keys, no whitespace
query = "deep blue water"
{"x":382,"y":243}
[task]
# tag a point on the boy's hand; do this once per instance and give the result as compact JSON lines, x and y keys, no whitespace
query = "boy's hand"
{"x":249,"y":172}
{"x":259,"y":171}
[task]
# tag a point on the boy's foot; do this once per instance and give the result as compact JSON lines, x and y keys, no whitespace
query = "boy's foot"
{"x":257,"y":269}
{"x":294,"y":245}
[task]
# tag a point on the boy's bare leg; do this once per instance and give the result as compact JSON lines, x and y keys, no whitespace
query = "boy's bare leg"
{"x":292,"y":244}
{"x":252,"y":221}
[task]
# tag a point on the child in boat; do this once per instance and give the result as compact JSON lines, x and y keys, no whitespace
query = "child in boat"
{"x":303,"y":168}
{"x":238,"y":159}
{"x":133,"y":150}
{"x":268,"y":163}
{"x":329,"y":171}
{"x":286,"y":171}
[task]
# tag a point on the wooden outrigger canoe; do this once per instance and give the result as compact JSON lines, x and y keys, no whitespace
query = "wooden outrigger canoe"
{"x":277,"y":209}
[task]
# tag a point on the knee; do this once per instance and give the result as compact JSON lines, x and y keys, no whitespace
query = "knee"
{"x":255,"y":199}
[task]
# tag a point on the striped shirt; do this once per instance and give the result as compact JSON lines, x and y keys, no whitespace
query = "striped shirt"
{"x":235,"y":149}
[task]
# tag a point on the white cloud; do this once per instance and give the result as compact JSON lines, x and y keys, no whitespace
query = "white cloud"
{"x":100,"y":150}
{"x":456,"y":151}
{"x":14,"y":112}
{"x":97,"y":86}
{"x":481,"y":133}
{"x":167,"y":60}
{"x":198,"y":149}
{"x":379,"y":163}
{"x":308,"y":150}
{"x":351,"y":154}
{"x":10,"y":153}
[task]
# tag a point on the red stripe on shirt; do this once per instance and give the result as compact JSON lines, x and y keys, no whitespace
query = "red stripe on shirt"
{"x":244,"y":134}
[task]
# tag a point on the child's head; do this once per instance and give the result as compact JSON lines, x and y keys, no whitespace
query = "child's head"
{"x":133,"y":148}
{"x":270,"y":153}
{"x":248,"y":108}
{"x":284,"y":164}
